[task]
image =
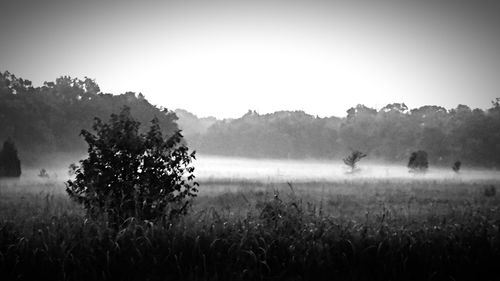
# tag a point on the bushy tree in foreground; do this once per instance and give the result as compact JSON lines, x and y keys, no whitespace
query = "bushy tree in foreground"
{"x":418,"y":161}
{"x":130,"y":174}
{"x":10,"y":165}
{"x":354,"y":158}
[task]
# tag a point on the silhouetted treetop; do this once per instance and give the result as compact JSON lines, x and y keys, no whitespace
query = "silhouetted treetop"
{"x":392,"y":134}
{"x":45,"y":119}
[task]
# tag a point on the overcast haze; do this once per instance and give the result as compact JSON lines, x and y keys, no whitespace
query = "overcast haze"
{"x":222,"y":58}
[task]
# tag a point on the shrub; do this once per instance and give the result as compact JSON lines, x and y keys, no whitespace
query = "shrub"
{"x":353,"y":158}
{"x":418,"y":161}
{"x":129,"y":174}
{"x":10,"y":166}
{"x":456,"y":166}
{"x":43,"y":174}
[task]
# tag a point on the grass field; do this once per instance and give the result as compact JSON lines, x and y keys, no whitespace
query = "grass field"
{"x":360,"y":229}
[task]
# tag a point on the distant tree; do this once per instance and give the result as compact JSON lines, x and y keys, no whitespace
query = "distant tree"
{"x":10,"y":165}
{"x":43,"y":174}
{"x":418,"y":161}
{"x":456,"y":166}
{"x":354,"y":158}
{"x":129,"y":174}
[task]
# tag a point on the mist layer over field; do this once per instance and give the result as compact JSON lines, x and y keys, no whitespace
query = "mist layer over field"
{"x":320,"y":170}
{"x":210,"y":168}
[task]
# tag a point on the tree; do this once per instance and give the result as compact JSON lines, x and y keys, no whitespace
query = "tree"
{"x":43,"y":174}
{"x":10,"y":165}
{"x":130,"y":174}
{"x":418,"y":161}
{"x":353,"y":158}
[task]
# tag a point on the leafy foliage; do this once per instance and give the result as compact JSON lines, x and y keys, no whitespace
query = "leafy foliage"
{"x":354,"y":158}
{"x":130,"y":174}
{"x":389,"y":134}
{"x":418,"y":161}
{"x":47,"y":120}
{"x":10,"y":165}
{"x":43,"y":119}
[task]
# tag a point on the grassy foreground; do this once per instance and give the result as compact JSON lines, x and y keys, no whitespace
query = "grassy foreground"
{"x":241,"y":230}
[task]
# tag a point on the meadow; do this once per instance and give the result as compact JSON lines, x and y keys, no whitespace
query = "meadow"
{"x":266,"y":227}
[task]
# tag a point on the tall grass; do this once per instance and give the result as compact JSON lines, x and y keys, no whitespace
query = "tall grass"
{"x":356,"y":230}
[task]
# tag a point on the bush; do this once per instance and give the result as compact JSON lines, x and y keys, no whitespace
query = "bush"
{"x":129,"y":174}
{"x":418,"y":161}
{"x":43,"y":174}
{"x":10,"y":166}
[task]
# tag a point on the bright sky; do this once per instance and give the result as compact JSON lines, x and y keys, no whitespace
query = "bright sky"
{"x":222,"y":58}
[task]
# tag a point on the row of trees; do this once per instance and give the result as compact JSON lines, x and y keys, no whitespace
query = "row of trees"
{"x":282,"y":134}
{"x":48,"y":119}
{"x":390,"y":133}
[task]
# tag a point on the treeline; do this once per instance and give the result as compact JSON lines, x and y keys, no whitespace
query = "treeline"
{"x":47,"y":120}
{"x":391,"y":134}
{"x":282,"y":134}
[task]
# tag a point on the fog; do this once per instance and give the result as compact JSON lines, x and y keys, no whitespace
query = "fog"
{"x":211,"y":168}
{"x":215,"y":167}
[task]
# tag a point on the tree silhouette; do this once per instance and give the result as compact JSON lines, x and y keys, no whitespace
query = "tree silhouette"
{"x":10,"y":166}
{"x":43,"y":173}
{"x":418,"y":161}
{"x":129,"y":174}
{"x":353,"y":158}
{"x":46,"y":120}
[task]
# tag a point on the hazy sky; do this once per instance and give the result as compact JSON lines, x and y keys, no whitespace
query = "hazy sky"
{"x":222,"y":58}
